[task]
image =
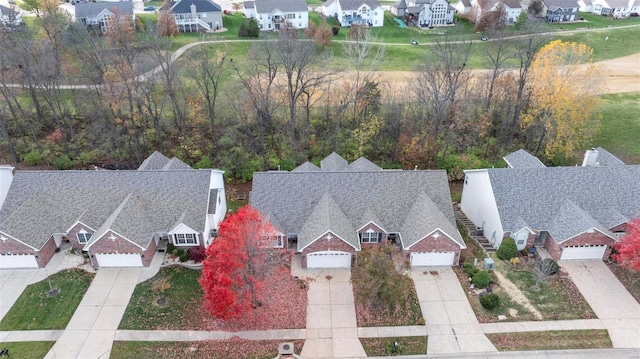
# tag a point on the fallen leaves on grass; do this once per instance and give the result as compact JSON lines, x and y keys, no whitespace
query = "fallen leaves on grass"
{"x":551,"y":340}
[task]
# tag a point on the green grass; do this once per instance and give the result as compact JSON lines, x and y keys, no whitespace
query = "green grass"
{"x":381,"y":346}
{"x":212,"y":349}
{"x":551,"y":340}
{"x":620,"y":126}
{"x":27,"y":350}
{"x":185,"y":294}
{"x":34,"y":311}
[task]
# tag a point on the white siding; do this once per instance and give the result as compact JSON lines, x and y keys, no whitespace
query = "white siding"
{"x":479,"y":204}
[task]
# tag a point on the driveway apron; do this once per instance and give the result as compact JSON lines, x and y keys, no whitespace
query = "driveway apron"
{"x":331,"y":316}
{"x":452,"y":326}
{"x":609,"y":299}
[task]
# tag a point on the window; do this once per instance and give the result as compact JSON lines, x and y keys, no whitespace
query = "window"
{"x":83,"y":236}
{"x":185,"y":239}
{"x":370,"y":237}
{"x":278,"y":241}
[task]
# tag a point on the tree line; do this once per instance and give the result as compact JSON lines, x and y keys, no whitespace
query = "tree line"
{"x":285,"y":100}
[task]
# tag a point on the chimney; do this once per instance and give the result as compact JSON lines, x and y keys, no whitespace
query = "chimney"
{"x":590,"y":158}
{"x":194,"y":13}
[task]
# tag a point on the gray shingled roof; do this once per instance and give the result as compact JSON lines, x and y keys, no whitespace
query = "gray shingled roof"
{"x":327,"y":216}
{"x":176,"y":164}
{"x":606,"y":158}
{"x":402,"y":4}
{"x":155,"y":161}
{"x":92,"y":9}
{"x":291,"y":198}
{"x":617,"y":3}
{"x":334,"y":162}
{"x":7,"y":11}
{"x":267,"y":6}
{"x":363,"y":165}
{"x":355,"y":4}
{"x":536,"y":196}
{"x":184,"y":6}
{"x":306,"y":167}
{"x":135,"y":203}
{"x":560,"y":4}
{"x":522,"y":159}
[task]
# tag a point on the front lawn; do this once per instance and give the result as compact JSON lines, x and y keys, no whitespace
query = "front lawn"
{"x":620,"y":126}
{"x":34,"y":311}
{"x":182,"y":309}
{"x":629,"y":279}
{"x":383,"y":346}
{"x":551,"y":340}
{"x":234,"y":348}
{"x":27,"y":350}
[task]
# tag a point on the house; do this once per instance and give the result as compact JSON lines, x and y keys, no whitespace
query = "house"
{"x":195,"y":15}
{"x":274,"y":14}
{"x":462,"y":7}
{"x":355,"y":12}
{"x":614,"y":8}
{"x":97,"y":15}
{"x":10,"y":16}
{"x":522,"y":159}
{"x":399,"y":8}
{"x":118,"y":218}
{"x":560,"y":10}
{"x":585,"y":5}
{"x":429,"y":13}
{"x":573,"y":212}
{"x":512,"y":9}
{"x":329,"y":213}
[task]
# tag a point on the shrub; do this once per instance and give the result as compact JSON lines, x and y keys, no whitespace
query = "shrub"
{"x":175,"y":252}
{"x":33,"y":158}
{"x":184,"y":256}
{"x":481,"y":279}
{"x":515,"y":261}
{"x":197,"y":254}
{"x":170,"y":248}
{"x":469,"y":269}
{"x":490,"y":301}
{"x":335,"y":30}
{"x":507,"y":249}
{"x":63,"y":163}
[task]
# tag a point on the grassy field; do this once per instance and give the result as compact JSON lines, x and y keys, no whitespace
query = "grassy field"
{"x":27,"y":350}
{"x":406,"y":346}
{"x":234,"y":348}
{"x":620,"y":126}
{"x":34,"y":311}
{"x":551,"y":340}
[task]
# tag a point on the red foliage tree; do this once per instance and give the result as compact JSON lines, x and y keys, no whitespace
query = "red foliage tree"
{"x":629,"y":247}
{"x":236,"y":263}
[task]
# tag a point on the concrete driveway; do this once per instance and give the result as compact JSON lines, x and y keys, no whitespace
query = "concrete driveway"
{"x":609,"y":299}
{"x":451,"y":323}
{"x":332,"y":330}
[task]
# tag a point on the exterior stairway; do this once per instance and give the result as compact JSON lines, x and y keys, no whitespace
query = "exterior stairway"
{"x":474,"y":233}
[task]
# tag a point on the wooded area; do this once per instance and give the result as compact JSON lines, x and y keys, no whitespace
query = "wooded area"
{"x":285,"y":101}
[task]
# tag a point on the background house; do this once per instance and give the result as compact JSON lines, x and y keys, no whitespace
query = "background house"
{"x":560,"y":10}
{"x":429,"y":13}
{"x":97,"y":14}
{"x":10,"y":16}
{"x":117,"y":217}
{"x":480,"y":7}
{"x":355,"y":12}
{"x":274,"y":14}
{"x":195,"y":15}
{"x":614,"y":8}
{"x":329,"y":213}
{"x":574,"y":212}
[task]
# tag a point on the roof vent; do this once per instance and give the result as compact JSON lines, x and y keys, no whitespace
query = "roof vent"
{"x":285,"y":349}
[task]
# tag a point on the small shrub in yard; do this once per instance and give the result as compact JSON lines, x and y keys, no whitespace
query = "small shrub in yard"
{"x":170,"y":248}
{"x":507,"y":249}
{"x":470,"y":269}
{"x":197,"y":254}
{"x":515,"y":261}
{"x":184,"y":256}
{"x":490,"y":301}
{"x":481,"y":279}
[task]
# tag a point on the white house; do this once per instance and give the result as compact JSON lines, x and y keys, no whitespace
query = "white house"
{"x":429,"y":13}
{"x":10,"y":16}
{"x":195,"y":15}
{"x":274,"y":14}
{"x":355,"y":12}
{"x":98,"y":14}
{"x":585,"y":5}
{"x":480,"y":7}
{"x":462,"y":6}
{"x":615,"y":8}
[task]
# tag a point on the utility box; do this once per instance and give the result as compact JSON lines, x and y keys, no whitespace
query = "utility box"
{"x":489,"y":264}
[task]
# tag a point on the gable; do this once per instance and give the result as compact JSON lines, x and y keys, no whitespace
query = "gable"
{"x":114,"y":237}
{"x":4,"y":237}
{"x":182,"y":228}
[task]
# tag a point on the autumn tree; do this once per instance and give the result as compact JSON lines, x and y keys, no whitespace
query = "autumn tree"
{"x":34,"y":6}
{"x":236,"y":263}
{"x":562,"y":114}
{"x":493,"y":20}
{"x":536,"y":8}
{"x":167,"y":22}
{"x":628,"y":249}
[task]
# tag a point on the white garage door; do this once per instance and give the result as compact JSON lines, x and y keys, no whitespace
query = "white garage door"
{"x":329,"y":259}
{"x":18,"y":261}
{"x":119,"y":260}
{"x":583,"y":252}
{"x":432,"y":258}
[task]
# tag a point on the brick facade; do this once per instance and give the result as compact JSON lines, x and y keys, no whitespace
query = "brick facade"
{"x":619,"y":228}
{"x":372,"y":227}
{"x":595,"y":238}
{"x":72,"y":236}
{"x":324,"y":244}
{"x":431,"y":244}
{"x":43,"y":256}
{"x":119,"y":245}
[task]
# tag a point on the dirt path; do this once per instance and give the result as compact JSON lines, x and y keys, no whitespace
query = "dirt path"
{"x":516,"y":295}
{"x":623,"y":75}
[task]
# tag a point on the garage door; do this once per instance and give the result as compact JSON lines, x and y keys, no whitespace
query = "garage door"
{"x":432,"y":258}
{"x":583,"y":252}
{"x":119,"y":260}
{"x":329,"y":259}
{"x":18,"y":261}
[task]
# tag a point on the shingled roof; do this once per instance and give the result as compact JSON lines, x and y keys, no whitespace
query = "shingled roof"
{"x":268,"y":6}
{"x":93,"y":9}
{"x":159,"y":162}
{"x":600,"y":197}
{"x":135,"y":204}
{"x":184,"y":6}
{"x":355,"y":4}
{"x":522,"y":159}
{"x":412,"y":203}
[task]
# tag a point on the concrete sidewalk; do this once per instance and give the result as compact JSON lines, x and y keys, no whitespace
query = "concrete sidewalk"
{"x":609,"y":299}
{"x":521,"y":327}
{"x":452,"y":325}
